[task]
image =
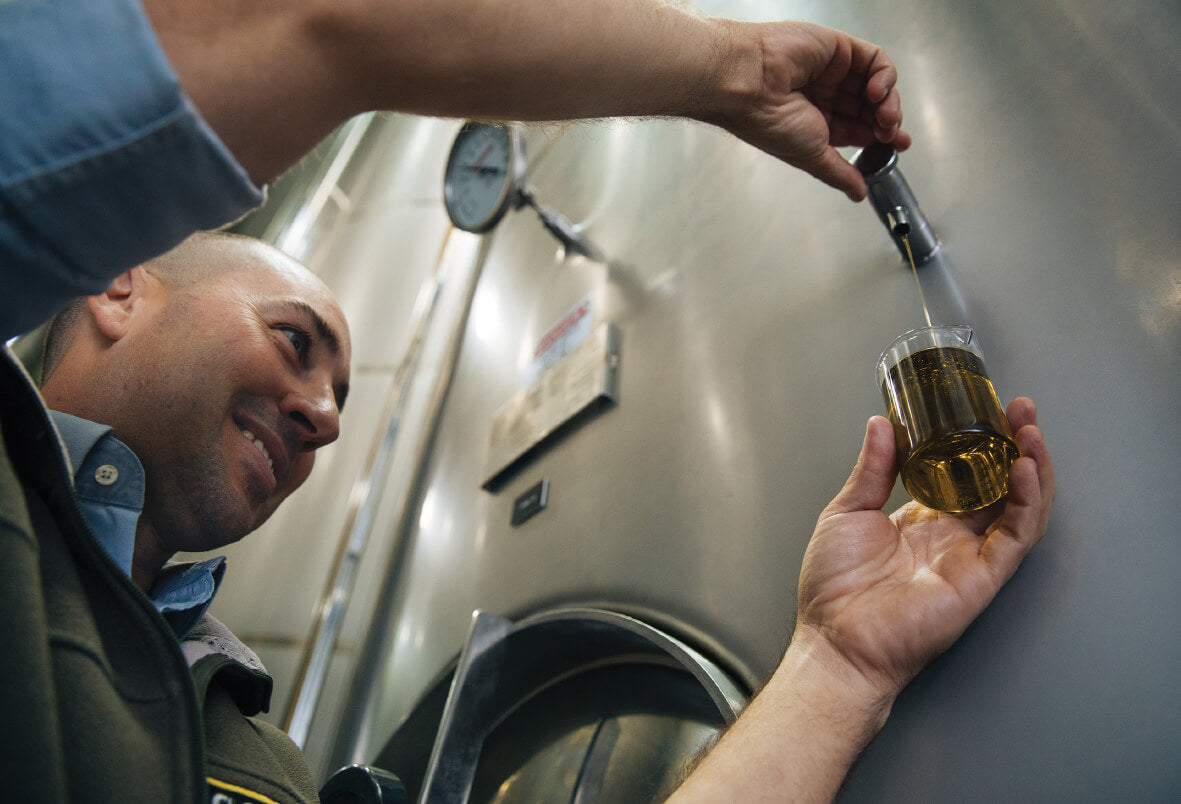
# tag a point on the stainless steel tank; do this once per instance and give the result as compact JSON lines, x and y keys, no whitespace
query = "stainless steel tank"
{"x":751,"y":304}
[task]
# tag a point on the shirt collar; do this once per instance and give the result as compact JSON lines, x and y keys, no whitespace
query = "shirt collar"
{"x":108,"y":483}
{"x":109,"y":486}
{"x":183,"y":592}
{"x":78,"y":435}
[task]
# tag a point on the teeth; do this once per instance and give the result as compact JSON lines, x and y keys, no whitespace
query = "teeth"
{"x":260,"y":447}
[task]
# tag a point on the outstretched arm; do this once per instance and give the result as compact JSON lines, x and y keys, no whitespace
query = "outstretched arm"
{"x":274,"y":76}
{"x":880,"y":597}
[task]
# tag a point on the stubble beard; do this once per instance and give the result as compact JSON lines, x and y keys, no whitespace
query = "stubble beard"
{"x":198,"y":508}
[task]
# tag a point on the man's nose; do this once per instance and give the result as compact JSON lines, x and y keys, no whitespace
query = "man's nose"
{"x":312,"y":407}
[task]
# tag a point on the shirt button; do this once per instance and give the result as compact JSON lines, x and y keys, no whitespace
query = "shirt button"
{"x":106,"y":474}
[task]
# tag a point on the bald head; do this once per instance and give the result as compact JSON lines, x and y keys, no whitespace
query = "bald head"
{"x":207,"y":256}
{"x":202,"y":258}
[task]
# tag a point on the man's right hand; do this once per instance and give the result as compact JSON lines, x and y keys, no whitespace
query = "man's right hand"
{"x":819,"y":89}
{"x":890,"y":593}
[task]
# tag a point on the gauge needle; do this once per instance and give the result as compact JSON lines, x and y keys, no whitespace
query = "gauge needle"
{"x":480,"y":159}
{"x":483,"y":171}
{"x":478,"y":165}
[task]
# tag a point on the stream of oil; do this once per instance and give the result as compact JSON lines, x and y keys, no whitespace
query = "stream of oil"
{"x":918,"y":284}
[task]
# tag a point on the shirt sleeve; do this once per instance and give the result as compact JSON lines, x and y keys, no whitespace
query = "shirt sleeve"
{"x":104,"y":162}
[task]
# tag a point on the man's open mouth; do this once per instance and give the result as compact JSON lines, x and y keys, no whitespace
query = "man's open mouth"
{"x":258,"y":445}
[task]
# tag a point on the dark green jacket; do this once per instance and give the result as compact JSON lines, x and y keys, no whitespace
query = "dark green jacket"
{"x":96,"y":695}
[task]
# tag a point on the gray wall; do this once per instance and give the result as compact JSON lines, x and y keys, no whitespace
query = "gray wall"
{"x":753,"y":303}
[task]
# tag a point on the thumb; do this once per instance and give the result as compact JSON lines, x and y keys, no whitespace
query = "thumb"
{"x":869,"y":486}
{"x":836,"y":171}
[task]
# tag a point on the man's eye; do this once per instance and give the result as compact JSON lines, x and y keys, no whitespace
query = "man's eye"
{"x":298,"y":339}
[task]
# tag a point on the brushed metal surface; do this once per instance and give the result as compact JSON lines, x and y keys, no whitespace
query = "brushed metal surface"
{"x":753,"y":304}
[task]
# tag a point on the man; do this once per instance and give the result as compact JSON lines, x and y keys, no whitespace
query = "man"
{"x":215,"y":429}
{"x":191,"y":396}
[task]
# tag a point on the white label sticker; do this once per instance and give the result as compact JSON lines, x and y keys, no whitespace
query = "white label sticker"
{"x":570,"y":330}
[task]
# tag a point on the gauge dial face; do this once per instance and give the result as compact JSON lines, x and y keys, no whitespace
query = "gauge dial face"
{"x":480,"y":179}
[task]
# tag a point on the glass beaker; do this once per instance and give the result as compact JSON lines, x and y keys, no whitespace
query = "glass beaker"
{"x":954,"y":444}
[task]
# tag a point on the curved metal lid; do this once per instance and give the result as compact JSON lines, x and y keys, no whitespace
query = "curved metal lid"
{"x":566,"y":692}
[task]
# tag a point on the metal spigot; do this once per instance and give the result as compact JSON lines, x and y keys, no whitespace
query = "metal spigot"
{"x":569,"y":235}
{"x":894,"y":202}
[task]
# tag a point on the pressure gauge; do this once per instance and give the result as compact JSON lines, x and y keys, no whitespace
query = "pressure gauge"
{"x":483,"y":176}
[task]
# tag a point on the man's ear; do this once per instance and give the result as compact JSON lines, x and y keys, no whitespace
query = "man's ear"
{"x":115,"y":308}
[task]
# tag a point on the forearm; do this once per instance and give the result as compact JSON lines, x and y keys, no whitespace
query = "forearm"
{"x":800,"y":735}
{"x":544,"y":59}
{"x":274,"y":77}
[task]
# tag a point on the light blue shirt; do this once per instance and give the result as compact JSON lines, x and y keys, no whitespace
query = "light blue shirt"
{"x":109,"y":484}
{"x":104,"y":161}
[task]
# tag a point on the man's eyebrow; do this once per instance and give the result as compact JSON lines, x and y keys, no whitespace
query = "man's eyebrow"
{"x":327,"y":334}
{"x":322,"y":327}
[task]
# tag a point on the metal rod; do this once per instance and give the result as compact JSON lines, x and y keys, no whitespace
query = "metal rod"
{"x":364,"y":499}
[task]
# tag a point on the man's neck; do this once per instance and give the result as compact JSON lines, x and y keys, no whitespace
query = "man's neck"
{"x":149,"y":557}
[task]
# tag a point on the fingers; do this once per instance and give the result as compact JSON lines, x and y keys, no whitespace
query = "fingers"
{"x":1012,"y":536}
{"x":1021,"y":411}
{"x":1031,"y":442}
{"x":872,"y":61}
{"x":887,"y":117}
{"x":867,"y":107}
{"x":1031,"y":495}
{"x":869,"y":486}
{"x":860,"y":120}
{"x":881,"y":92}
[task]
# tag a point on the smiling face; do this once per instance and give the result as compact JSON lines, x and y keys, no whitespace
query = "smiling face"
{"x":226,"y":389}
